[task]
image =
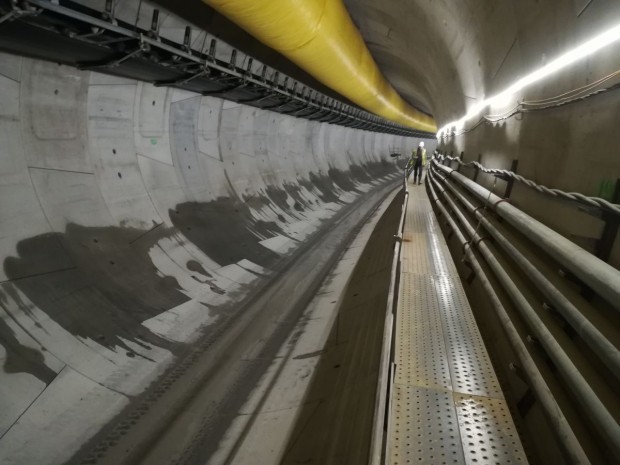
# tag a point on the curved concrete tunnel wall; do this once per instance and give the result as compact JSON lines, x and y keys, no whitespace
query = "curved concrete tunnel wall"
{"x":134,"y":217}
{"x":107,"y":187}
{"x":450,"y":55}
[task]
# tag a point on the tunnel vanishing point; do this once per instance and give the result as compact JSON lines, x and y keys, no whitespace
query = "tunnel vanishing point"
{"x":329,"y":232}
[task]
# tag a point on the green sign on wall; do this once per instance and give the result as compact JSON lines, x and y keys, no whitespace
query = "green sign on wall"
{"x":606,"y":189}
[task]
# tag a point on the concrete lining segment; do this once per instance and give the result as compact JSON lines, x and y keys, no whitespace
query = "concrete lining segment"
{"x":269,"y":426}
{"x":131,"y":225}
{"x":451,"y":55}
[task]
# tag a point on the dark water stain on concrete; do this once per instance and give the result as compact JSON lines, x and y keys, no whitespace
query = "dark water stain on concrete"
{"x":19,"y":357}
{"x":321,"y":184}
{"x":101,"y":284}
{"x":294,"y":191}
{"x":371,"y":171}
{"x":360,"y":174}
{"x":274,"y":199}
{"x":256,"y":201}
{"x":193,"y":265}
{"x":225,"y":230}
{"x":279,"y":197}
{"x":343,"y":180}
{"x":328,"y":186}
{"x":111,"y":289}
{"x":382,"y":167}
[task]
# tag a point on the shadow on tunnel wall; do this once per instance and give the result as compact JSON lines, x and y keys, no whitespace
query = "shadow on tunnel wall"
{"x":101,"y":284}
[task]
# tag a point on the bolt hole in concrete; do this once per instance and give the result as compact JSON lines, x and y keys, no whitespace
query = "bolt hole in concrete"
{"x":114,"y":151}
{"x":120,"y":175}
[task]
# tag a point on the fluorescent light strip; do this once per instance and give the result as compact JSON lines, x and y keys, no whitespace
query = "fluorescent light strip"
{"x":586,"y":49}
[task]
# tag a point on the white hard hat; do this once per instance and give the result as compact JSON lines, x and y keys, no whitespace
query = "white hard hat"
{"x":421,"y":144}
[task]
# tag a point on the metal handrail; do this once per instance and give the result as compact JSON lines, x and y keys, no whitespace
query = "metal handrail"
{"x":600,"y":276}
{"x":591,"y":335}
{"x":597,"y":410}
{"x":589,"y":201}
{"x":560,"y":425}
{"x":378,"y":443}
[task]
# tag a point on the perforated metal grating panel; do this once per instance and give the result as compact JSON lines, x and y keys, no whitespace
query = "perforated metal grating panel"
{"x":447,"y":406}
{"x":420,"y":331}
{"x":426,"y":428}
{"x":469,"y":361}
{"x":487,"y":431}
{"x":422,"y":254}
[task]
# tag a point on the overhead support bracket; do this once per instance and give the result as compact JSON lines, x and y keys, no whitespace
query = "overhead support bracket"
{"x":113,"y":63}
{"x":124,"y":49}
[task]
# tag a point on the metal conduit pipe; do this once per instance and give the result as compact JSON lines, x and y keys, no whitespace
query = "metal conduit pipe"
{"x":600,"y":276}
{"x":592,"y":405}
{"x":603,"y":347}
{"x":559,"y":424}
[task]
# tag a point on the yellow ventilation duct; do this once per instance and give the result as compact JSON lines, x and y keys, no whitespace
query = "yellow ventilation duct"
{"x":320,"y":37}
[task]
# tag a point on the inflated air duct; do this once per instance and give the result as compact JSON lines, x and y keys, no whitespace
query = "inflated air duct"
{"x":320,"y":37}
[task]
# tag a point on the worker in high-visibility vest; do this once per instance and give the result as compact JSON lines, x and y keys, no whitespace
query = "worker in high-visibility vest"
{"x":416,"y":163}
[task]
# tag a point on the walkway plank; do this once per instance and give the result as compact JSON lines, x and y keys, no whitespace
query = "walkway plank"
{"x":447,"y":405}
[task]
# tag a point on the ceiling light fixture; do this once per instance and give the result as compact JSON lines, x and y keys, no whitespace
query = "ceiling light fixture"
{"x":586,"y":49}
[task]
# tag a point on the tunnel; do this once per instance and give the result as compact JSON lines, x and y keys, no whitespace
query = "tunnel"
{"x":329,"y":232}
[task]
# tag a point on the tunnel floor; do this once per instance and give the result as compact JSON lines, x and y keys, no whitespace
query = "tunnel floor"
{"x":258,"y":394}
{"x":447,"y":403}
{"x":334,"y":427}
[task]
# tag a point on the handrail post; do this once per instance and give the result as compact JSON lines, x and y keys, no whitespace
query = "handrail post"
{"x":510,"y":181}
{"x":605,"y":244}
{"x":475,"y":178}
{"x":378,"y":441}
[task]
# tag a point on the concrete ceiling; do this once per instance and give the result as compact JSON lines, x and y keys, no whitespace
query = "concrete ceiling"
{"x":138,"y":220}
{"x":442,"y":55}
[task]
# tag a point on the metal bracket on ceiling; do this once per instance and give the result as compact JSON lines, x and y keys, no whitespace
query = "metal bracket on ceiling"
{"x":101,"y":27}
{"x":223,"y":91}
{"x":187,"y":40}
{"x":277,"y":105}
{"x":109,"y":11}
{"x":210,"y":55}
{"x":19,"y":10}
{"x":154,"y":31}
{"x":204,"y":72}
{"x":113,"y":63}
{"x":256,"y":99}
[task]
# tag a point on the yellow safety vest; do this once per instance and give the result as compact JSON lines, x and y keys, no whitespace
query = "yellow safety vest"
{"x":414,"y":156}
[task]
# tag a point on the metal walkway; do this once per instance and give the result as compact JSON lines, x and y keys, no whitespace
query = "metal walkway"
{"x":446,"y":406}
